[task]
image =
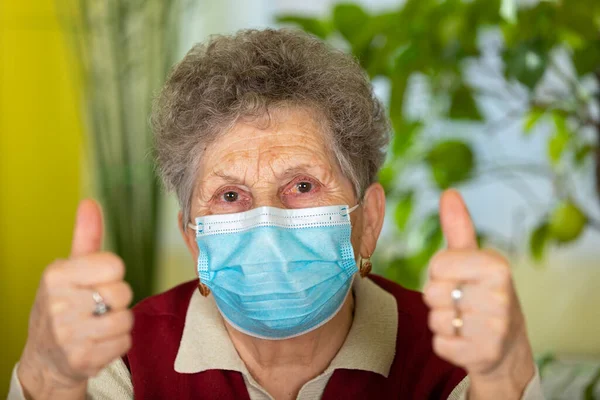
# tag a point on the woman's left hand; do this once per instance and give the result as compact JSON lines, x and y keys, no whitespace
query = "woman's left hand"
{"x":492,"y":344}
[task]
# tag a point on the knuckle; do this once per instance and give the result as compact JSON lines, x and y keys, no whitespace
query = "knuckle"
{"x":431,"y":320}
{"x":52,"y":275}
{"x":436,"y":261}
{"x":127,"y":293}
{"x":494,"y":254}
{"x":438,"y":346}
{"x":129,"y":320}
{"x":110,"y":263}
{"x":116,"y":263}
{"x":502,"y":274}
{"x":127,"y":342}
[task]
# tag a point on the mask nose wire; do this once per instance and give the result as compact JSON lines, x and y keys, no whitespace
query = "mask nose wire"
{"x":194,"y":227}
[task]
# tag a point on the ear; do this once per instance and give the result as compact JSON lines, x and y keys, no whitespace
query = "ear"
{"x":189,"y":236}
{"x":373,"y":211}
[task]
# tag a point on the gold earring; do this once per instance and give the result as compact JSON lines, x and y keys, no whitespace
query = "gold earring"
{"x":365,"y":266}
{"x":204,"y":290}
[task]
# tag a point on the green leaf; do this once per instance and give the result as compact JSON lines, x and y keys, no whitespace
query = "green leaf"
{"x":451,"y":162}
{"x":590,"y":387}
{"x":407,"y":59}
{"x":430,"y":236}
{"x":404,"y":134}
{"x":544,"y":361}
{"x":537,"y":241}
{"x":431,"y":231}
{"x":349,"y":19}
{"x":315,"y":26}
{"x":582,"y":153}
{"x":386,"y":177}
{"x":526,"y":62}
{"x":559,"y":140}
{"x":532,"y":118}
{"x":508,"y":11}
{"x":403,"y":210}
{"x":481,"y":238}
{"x":587,"y":59}
{"x":396,"y":109}
{"x":463,"y":105}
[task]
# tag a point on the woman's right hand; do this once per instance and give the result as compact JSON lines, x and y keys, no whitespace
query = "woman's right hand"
{"x":66,"y":343}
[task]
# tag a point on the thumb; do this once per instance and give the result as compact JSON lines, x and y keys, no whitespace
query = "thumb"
{"x":87,"y":235}
{"x":456,"y":222}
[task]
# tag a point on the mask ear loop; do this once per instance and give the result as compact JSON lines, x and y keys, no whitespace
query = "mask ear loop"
{"x":353,"y":208}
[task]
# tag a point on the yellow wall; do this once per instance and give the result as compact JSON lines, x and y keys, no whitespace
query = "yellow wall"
{"x":40,"y":141}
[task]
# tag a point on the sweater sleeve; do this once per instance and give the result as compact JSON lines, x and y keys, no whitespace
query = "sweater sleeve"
{"x":533,"y":390}
{"x":112,"y":383}
{"x":15,"y":392}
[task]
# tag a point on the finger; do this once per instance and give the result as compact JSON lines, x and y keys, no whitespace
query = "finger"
{"x":87,"y":235}
{"x":92,"y":270}
{"x":74,"y":303}
{"x":456,"y":350}
{"x":117,"y":295}
{"x":482,"y":266}
{"x":92,"y":356}
{"x":475,"y":325}
{"x":475,"y":298}
{"x":109,"y":350}
{"x":110,"y":325}
{"x":456,"y":222}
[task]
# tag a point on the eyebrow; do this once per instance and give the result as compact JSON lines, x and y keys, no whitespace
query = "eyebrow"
{"x":225,"y":176}
{"x":288,"y":172}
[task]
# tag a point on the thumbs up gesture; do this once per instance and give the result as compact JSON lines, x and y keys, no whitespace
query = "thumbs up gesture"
{"x":67,"y":343}
{"x":474,"y":310}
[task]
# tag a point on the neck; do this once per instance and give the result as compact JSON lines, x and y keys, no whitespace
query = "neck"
{"x":298,"y":359}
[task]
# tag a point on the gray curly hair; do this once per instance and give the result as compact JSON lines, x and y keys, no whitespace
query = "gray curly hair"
{"x":246,"y":74}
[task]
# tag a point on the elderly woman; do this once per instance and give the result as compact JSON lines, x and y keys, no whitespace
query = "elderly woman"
{"x":272,"y":142}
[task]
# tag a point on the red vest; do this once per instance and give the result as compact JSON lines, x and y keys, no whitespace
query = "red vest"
{"x":416,"y":372}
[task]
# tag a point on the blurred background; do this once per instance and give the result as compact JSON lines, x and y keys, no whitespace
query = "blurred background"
{"x":499,"y":98}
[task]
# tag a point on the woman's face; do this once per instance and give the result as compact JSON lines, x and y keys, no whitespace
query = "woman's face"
{"x":286,"y":164}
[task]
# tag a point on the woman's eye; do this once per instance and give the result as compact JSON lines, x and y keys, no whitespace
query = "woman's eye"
{"x":230,"y":197}
{"x":304,"y":187}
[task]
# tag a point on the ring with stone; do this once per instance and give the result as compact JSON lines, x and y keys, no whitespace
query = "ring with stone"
{"x":457,"y":294}
{"x":101,"y":307}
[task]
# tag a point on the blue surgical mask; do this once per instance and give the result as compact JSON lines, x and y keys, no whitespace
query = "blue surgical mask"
{"x":277,"y":273}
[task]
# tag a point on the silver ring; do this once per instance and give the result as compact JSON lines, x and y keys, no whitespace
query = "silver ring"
{"x":457,"y":294}
{"x":101,"y":307}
